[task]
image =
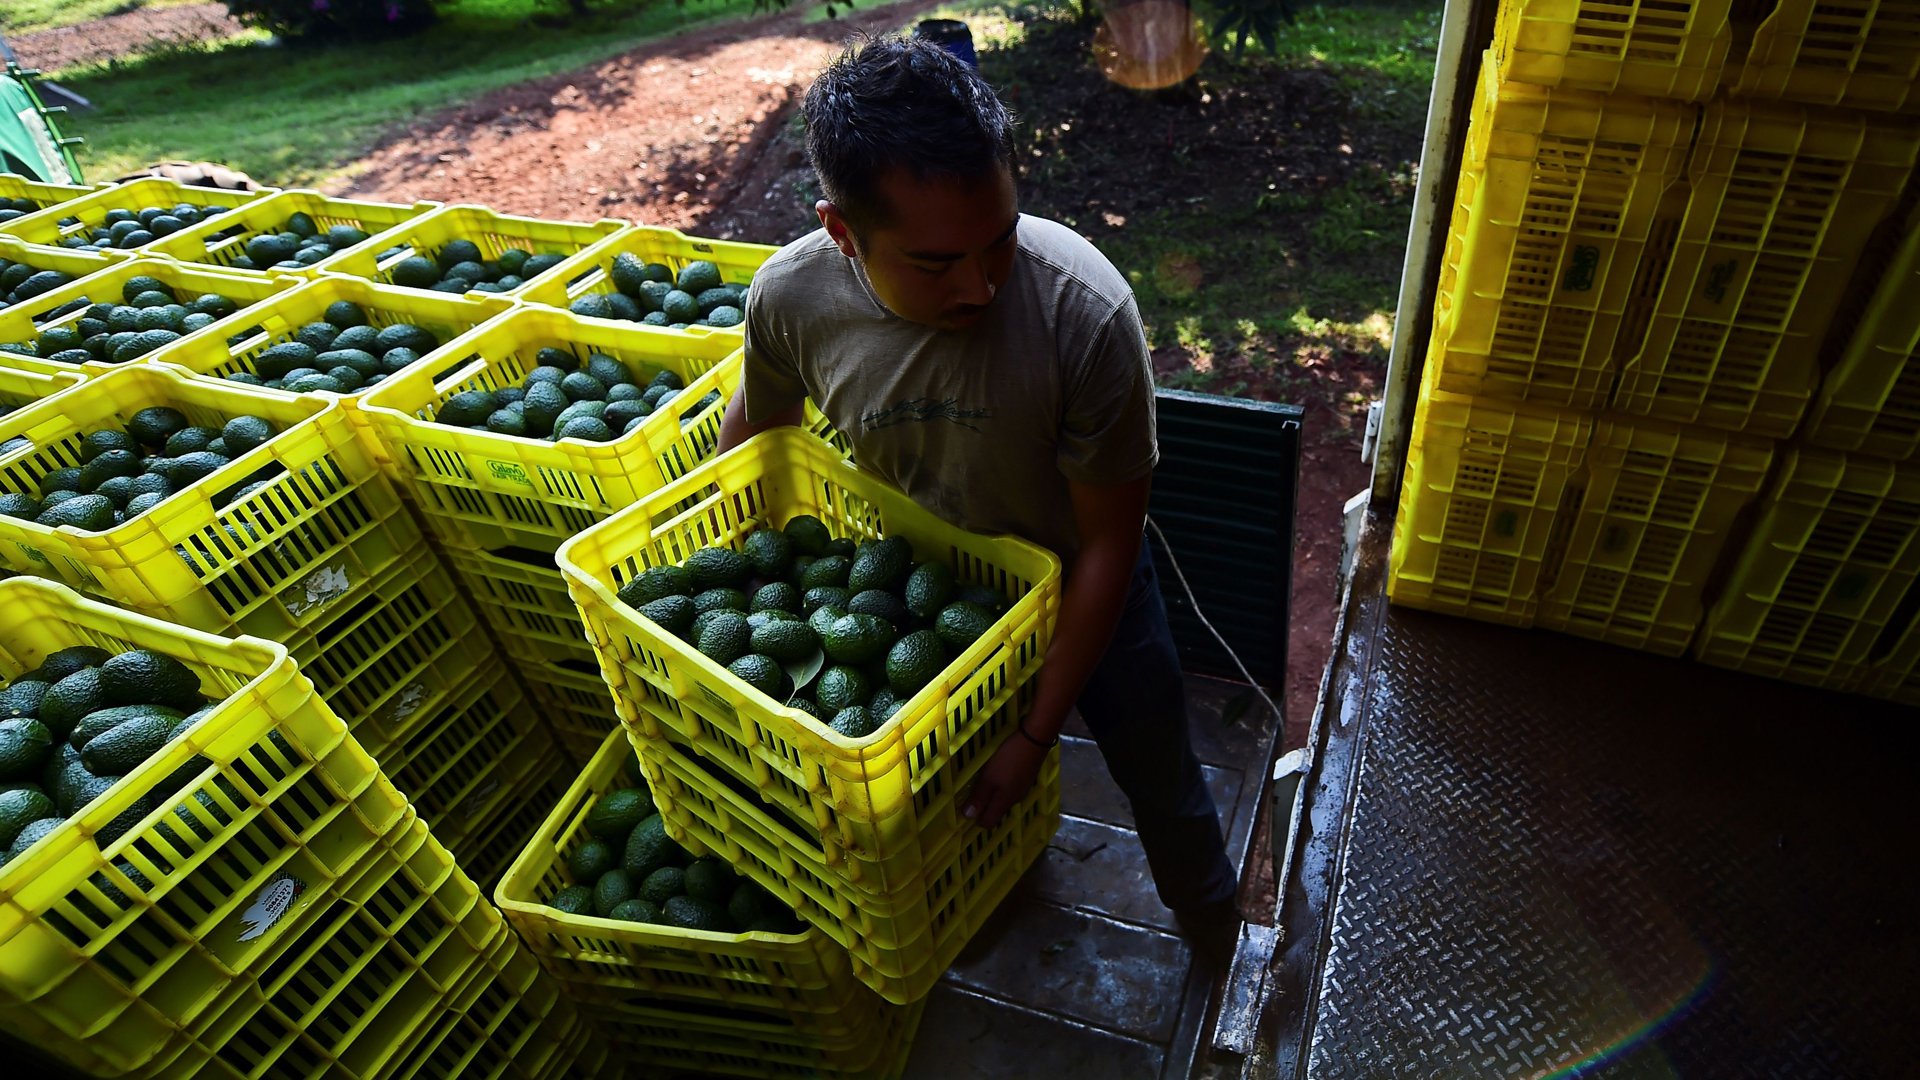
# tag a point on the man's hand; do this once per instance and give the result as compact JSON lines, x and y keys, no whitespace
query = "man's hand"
{"x":1004,"y":781}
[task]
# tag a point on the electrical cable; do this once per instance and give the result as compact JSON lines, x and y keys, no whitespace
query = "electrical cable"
{"x":1202,"y":616}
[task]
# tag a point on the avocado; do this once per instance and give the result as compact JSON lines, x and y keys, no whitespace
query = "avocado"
{"x":614,"y":888}
{"x":827,"y":570}
{"x":840,"y":687}
{"x":649,"y":848}
{"x":725,"y":638}
{"x":573,"y":900}
{"x":880,"y":564}
{"x":914,"y":661}
{"x":125,"y":746}
{"x":24,"y":746}
{"x":692,"y":913}
{"x":635,"y":911}
{"x":720,"y":598}
{"x":674,"y":614}
{"x":757,"y":671}
{"x":698,"y":276}
{"x":143,"y":677}
{"x":770,"y":552}
{"x":712,"y":566}
{"x":929,"y":588}
{"x":592,"y":859}
{"x":20,"y":807}
{"x":881,"y":604}
{"x":710,"y":880}
{"x":617,"y":812}
{"x":857,"y":639}
{"x":30,"y":835}
{"x":662,"y":885}
{"x":22,"y":699}
{"x":72,"y":698}
{"x":785,"y":642}
{"x":778,"y":595}
{"x":854,"y":722}
{"x":961,"y":623}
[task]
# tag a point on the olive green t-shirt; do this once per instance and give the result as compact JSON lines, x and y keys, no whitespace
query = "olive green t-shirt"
{"x":983,"y":426}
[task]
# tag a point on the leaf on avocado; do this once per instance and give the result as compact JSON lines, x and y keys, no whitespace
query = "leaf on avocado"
{"x":803,"y":672}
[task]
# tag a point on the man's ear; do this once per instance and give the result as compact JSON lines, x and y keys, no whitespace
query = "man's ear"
{"x":837,"y":228}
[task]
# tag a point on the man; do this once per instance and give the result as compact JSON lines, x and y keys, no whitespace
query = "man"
{"x":993,"y":366}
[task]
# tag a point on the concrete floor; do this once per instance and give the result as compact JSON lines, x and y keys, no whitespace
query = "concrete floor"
{"x":1081,"y":972}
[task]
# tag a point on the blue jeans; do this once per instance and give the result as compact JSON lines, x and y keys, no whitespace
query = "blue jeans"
{"x":1136,"y":707}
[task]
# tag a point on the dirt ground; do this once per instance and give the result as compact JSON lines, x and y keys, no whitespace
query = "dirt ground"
{"x":115,"y":36}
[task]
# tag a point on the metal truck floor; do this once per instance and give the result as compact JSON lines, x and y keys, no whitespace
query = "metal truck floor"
{"x":1532,"y":855}
{"x":1081,"y":973}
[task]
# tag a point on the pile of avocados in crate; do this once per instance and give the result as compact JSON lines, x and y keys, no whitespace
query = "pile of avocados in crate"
{"x":319,"y":422}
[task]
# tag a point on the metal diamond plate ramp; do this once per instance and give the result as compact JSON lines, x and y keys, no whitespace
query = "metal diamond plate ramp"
{"x":1535,"y":855}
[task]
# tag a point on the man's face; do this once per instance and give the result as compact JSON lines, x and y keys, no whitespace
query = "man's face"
{"x":946,"y":251}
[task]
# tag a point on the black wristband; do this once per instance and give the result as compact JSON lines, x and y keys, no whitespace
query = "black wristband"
{"x":1048,"y":745}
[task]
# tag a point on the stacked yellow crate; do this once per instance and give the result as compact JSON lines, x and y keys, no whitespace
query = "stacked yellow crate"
{"x":274,"y":904}
{"x":1654,"y":228}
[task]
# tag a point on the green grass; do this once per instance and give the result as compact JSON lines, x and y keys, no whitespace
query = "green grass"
{"x":26,"y":16}
{"x":294,"y":115}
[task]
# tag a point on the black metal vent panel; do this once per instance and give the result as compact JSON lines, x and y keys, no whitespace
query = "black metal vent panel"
{"x":1224,"y":498}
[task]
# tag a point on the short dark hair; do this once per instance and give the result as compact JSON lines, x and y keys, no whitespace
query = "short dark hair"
{"x":901,"y":102}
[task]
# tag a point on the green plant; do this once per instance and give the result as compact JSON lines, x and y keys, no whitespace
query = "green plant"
{"x":1235,"y":22}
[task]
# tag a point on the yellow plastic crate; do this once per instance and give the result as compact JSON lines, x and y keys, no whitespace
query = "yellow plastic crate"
{"x":804,"y":980}
{"x":882,"y":801}
{"x":271,"y":564}
{"x":523,"y":597}
{"x":901,"y":944}
{"x":1648,"y":518}
{"x":223,"y":238}
{"x":467,"y":761}
{"x":75,"y":264}
{"x":1863,"y":54}
{"x":1818,"y":593}
{"x":1782,"y":202}
{"x":26,"y":322}
{"x":488,"y":854}
{"x":41,"y":193}
{"x":107,"y":979}
{"x":516,"y":1026}
{"x":24,"y":380}
{"x":397,"y":654}
{"x":446,"y":317}
{"x":492,"y":232}
{"x":684,"y":1041}
{"x":1563,"y":194}
{"x":588,"y":272}
{"x":1664,"y":50}
{"x":576,"y":704}
{"x":368,"y":981}
{"x":1484,"y":488}
{"x":542,"y":491}
{"x":1870,"y":401}
{"x":87,"y":211}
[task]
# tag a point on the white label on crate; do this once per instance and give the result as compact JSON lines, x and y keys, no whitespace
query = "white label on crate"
{"x":271,"y":905}
{"x":407,"y":702}
{"x":322,"y":587}
{"x":509,"y":471}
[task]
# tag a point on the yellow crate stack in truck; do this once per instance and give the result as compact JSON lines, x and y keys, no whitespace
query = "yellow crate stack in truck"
{"x":1666,"y":396}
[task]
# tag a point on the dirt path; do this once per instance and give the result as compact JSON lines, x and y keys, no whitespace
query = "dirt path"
{"x":663,"y":135}
{"x":117,"y":36}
